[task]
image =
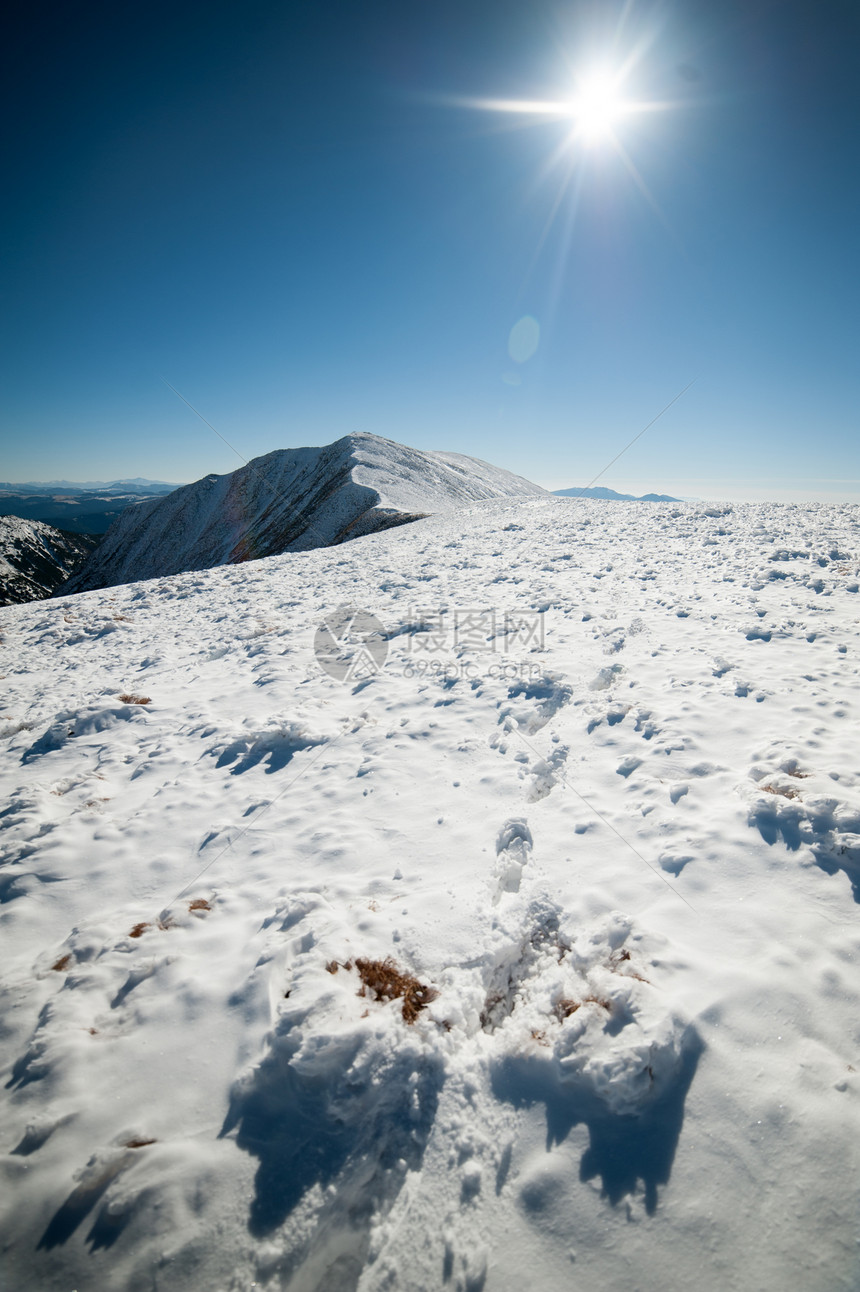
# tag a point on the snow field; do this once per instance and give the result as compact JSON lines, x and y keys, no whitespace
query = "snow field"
{"x":625,"y":859}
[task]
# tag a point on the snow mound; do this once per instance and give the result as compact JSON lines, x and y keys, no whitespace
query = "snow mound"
{"x":578,"y":1012}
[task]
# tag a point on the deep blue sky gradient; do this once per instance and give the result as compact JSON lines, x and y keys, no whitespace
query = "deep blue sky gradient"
{"x":282,"y":209}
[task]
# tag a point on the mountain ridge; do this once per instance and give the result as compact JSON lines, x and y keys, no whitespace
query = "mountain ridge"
{"x":290,"y":500}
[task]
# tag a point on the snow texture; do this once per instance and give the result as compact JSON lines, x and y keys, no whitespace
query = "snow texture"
{"x":620,"y":860}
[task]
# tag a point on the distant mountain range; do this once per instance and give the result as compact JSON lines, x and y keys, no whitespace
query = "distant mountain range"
{"x":612,"y":496}
{"x":36,"y":558}
{"x":136,"y":485}
{"x":290,"y":500}
{"x":88,"y":508}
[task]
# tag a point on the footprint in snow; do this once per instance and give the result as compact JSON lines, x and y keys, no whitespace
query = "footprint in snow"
{"x":545,"y":775}
{"x":513,"y":849}
{"x":534,"y":702}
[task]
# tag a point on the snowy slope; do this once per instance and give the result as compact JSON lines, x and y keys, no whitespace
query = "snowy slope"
{"x":36,"y":558}
{"x":291,"y":500}
{"x":626,"y":857}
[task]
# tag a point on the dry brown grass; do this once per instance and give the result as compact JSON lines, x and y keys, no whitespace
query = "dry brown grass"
{"x":199,"y":904}
{"x":386,"y":982}
{"x":801,"y":776}
{"x":62,"y":963}
{"x":564,"y":1008}
{"x":128,"y":698}
{"x":139,"y":929}
{"x":780,"y":790}
{"x":139,"y":1143}
{"x":621,"y":957}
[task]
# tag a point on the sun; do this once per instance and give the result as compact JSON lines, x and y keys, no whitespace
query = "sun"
{"x":597,"y":107}
{"x":592,"y":124}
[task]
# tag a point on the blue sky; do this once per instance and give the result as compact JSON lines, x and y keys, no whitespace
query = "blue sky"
{"x":291,"y":213}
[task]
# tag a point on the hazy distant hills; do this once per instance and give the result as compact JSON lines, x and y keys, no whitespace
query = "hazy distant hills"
{"x":36,"y":558}
{"x":612,"y":496}
{"x":88,"y":507}
{"x":288,"y":501}
{"x":136,"y":485}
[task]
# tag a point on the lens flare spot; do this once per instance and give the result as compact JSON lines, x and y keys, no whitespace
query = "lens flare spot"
{"x":524,"y":339}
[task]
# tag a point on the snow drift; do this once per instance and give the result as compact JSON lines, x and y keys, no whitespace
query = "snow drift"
{"x":290,"y":500}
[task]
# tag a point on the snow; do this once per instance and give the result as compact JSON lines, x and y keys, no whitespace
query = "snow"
{"x":290,"y":500}
{"x":624,"y":852}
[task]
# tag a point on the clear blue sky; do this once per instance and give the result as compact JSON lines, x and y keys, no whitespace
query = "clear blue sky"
{"x":287,"y":211}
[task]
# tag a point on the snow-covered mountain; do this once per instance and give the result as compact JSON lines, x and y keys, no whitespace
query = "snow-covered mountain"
{"x":291,"y":500}
{"x":36,"y":558}
{"x":528,"y":961}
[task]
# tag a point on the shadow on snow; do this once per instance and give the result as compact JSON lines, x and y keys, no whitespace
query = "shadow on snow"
{"x":360,"y":1122}
{"x":623,"y":1148}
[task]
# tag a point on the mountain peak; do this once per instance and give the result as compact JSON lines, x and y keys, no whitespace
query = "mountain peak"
{"x":291,"y":500}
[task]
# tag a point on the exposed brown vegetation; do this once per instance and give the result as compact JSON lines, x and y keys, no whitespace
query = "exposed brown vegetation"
{"x":139,"y":929}
{"x":199,"y":904}
{"x":62,"y":963}
{"x":128,"y":698}
{"x":123,"y":619}
{"x":332,"y":966}
{"x":620,"y":957}
{"x":801,"y":776}
{"x":564,"y":1008}
{"x":386,"y":982}
{"x":781,"y":791}
{"x":139,"y":1143}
